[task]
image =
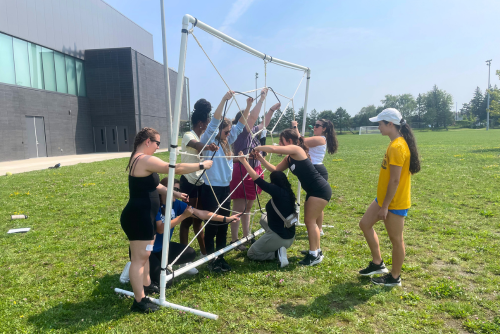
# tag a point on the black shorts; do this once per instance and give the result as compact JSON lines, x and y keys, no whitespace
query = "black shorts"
{"x":322,"y":170}
{"x":138,"y":218}
{"x":188,"y":188}
{"x":210,"y":202}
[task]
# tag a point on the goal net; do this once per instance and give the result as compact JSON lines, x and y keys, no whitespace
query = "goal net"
{"x":368,"y":130}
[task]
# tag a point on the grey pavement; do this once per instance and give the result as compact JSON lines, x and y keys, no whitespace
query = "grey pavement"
{"x":27,"y":165}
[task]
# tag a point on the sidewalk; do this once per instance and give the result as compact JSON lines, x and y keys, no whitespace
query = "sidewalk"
{"x":27,"y":165}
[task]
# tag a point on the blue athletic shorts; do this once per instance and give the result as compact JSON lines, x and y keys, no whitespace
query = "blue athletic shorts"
{"x":403,"y":213}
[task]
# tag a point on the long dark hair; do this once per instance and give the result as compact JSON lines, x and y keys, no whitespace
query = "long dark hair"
{"x":331,"y":136}
{"x":223,"y":142}
{"x":140,"y":138}
{"x":279,"y":178}
{"x":237,"y":117}
{"x":201,"y":112}
{"x":408,"y":136}
{"x":296,"y":140}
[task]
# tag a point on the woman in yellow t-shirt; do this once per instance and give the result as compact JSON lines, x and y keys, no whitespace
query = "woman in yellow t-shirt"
{"x":391,"y":205}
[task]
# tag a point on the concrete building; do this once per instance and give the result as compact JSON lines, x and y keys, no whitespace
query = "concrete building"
{"x":76,"y":76}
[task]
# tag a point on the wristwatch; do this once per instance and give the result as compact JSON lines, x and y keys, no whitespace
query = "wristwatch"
{"x":294,"y":127}
{"x":202,"y":166}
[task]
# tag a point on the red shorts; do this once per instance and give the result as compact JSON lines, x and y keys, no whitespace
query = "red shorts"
{"x":249,"y":184}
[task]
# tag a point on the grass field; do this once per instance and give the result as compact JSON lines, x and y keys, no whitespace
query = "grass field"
{"x":60,"y":276}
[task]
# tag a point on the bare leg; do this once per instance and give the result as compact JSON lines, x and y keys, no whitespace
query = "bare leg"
{"x":394,"y":225}
{"x":312,"y":210}
{"x":319,"y":221}
{"x":245,"y":219}
{"x":366,"y":225}
{"x":201,"y":237}
{"x":139,"y":259}
{"x":186,"y":223}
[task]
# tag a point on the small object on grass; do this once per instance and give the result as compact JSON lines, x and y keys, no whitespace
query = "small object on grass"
{"x":56,"y":166}
{"x":12,"y":217}
{"x":8,"y":174}
{"x":19,"y":230}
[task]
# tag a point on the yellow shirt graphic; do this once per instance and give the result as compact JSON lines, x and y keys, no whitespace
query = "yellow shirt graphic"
{"x":397,"y":154}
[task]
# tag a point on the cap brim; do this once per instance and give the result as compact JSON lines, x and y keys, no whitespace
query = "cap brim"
{"x":374,"y":119}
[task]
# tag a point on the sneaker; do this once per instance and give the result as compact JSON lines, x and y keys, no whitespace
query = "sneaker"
{"x":214,"y":266}
{"x":373,"y":269}
{"x":241,"y":247}
{"x":152,"y":288}
{"x":387,"y":280}
{"x":144,"y":306}
{"x":281,"y":256}
{"x":124,"y":277}
{"x":224,"y":265}
{"x":311,"y":260}
{"x":321,"y":233}
{"x":305,"y":252}
{"x":192,"y":271}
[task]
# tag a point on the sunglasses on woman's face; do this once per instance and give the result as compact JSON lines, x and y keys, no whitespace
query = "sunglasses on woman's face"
{"x":317,"y":125}
{"x":177,"y":189}
{"x":227,"y":132}
{"x":157,"y":142}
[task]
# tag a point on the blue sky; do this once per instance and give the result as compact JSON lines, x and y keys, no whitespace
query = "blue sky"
{"x":358,"y":51}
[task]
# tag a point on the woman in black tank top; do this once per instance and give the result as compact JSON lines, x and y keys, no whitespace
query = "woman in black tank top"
{"x":138,"y":217}
{"x":316,"y":187}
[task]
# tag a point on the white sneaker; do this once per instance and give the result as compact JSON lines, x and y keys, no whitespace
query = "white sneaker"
{"x":282,"y":258}
{"x":192,"y":271}
{"x":321,"y":233}
{"x":124,"y":277}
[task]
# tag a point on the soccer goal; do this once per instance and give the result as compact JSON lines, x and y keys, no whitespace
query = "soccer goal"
{"x":267,"y":59}
{"x":368,"y":130}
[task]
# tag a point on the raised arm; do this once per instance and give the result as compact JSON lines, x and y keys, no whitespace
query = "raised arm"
{"x":314,"y":141}
{"x":218,"y":111}
{"x":254,"y":114}
{"x":269,"y":116}
{"x":244,"y":116}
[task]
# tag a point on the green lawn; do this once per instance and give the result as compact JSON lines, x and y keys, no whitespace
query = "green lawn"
{"x":60,"y":276}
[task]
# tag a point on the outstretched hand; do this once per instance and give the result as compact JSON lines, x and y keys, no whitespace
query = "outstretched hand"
{"x":249,"y":101}
{"x":276,"y":106}
{"x":228,"y":95}
{"x":212,"y":147}
{"x":207,"y":164}
{"x":234,"y":218}
{"x":188,"y":212}
{"x":241,"y":157}
{"x":263,"y":94}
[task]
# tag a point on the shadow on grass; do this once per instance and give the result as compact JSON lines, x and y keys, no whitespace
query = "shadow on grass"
{"x":487,"y":150}
{"x":342,"y":297}
{"x":102,"y":307}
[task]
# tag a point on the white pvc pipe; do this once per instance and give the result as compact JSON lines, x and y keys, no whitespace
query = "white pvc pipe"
{"x":165,"y":67}
{"x":173,"y":158}
{"x":230,"y":40}
{"x":174,"y":306}
{"x":207,"y":258}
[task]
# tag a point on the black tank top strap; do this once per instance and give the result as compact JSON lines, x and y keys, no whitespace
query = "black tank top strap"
{"x":134,"y":163}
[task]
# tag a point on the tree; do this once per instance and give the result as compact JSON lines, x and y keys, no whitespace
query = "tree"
{"x":341,"y":119}
{"x":420,"y":102}
{"x":438,"y":105}
{"x":362,"y":117}
{"x":327,"y":114}
{"x":478,"y":105}
{"x":405,"y":103}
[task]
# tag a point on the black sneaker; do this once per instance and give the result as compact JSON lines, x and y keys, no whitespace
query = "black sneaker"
{"x":214,"y":266}
{"x":144,"y":306}
{"x":373,"y":269}
{"x":152,"y":288}
{"x":387,"y":280}
{"x":311,"y":260}
{"x":305,"y":252}
{"x":224,"y":265}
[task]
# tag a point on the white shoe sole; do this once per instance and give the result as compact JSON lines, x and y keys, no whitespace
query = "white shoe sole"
{"x":318,"y":261}
{"x":381,"y":271}
{"x":282,"y":257}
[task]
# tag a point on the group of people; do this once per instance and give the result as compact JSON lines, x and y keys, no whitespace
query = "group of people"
{"x":234,"y":172}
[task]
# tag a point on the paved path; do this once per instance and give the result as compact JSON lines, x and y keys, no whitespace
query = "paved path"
{"x":27,"y":165}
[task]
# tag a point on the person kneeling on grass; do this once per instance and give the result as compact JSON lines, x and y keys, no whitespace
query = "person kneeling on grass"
{"x":180,"y":211}
{"x":393,"y":196}
{"x":274,"y":243}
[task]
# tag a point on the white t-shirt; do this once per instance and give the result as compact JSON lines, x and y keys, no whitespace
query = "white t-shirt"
{"x":317,"y":153}
{"x":191,"y":177}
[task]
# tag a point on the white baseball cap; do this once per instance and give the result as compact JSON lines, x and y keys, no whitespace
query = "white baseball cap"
{"x":389,"y":115}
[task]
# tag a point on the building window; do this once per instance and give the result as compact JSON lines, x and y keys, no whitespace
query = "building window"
{"x":21,"y":63}
{"x":30,"y":65}
{"x":7,"y":73}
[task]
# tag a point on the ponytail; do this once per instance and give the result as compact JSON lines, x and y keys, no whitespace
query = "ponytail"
{"x":296,"y":140}
{"x":140,"y":138}
{"x":331,"y":136}
{"x":408,"y":136}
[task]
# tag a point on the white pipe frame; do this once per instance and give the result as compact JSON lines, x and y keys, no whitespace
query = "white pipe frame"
{"x":187,"y":19}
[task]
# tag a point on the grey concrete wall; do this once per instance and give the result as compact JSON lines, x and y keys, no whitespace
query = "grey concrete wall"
{"x":73,"y":26}
{"x":66,"y":133}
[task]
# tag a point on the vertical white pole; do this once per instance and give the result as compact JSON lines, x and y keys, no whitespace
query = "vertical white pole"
{"x":304,"y":119}
{"x":173,"y":155}
{"x":165,"y":68}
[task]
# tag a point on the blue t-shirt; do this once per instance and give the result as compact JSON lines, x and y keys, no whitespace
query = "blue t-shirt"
{"x":178,"y":208}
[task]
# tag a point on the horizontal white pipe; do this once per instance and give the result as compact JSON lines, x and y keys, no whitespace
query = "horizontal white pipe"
{"x":175,"y":306}
{"x":224,"y":37}
{"x":300,"y":224}
{"x":207,"y":258}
